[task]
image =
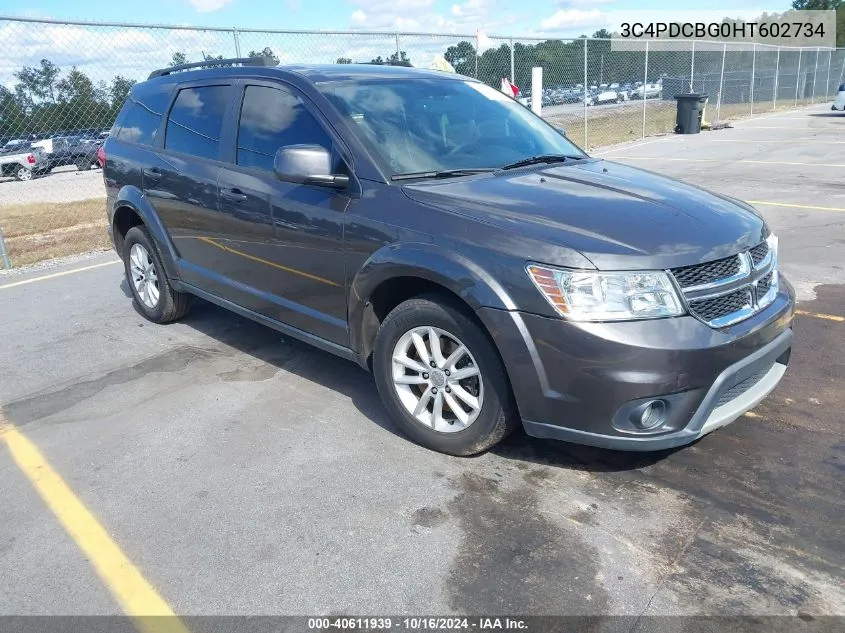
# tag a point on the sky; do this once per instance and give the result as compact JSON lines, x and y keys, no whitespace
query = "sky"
{"x":108,"y":50}
{"x":531,"y":17}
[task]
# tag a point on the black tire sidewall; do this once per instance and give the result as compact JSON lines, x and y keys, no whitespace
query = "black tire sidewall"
{"x":442,"y":314}
{"x":139,"y":235}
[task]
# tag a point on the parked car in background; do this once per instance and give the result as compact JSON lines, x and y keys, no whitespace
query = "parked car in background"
{"x":839,"y":101}
{"x":647,"y":91}
{"x":600,"y":97}
{"x":22,"y":162}
{"x":423,"y":225}
{"x":68,"y":150}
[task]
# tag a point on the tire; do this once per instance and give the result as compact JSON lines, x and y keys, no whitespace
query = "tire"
{"x":156,"y":300}
{"x":82,"y":164}
{"x":495,"y":415}
{"x":23,"y":173}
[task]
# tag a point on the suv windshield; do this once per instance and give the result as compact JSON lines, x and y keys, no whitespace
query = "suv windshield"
{"x":426,"y":125}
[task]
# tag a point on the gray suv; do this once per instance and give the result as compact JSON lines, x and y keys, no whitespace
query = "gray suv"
{"x":429,"y":228}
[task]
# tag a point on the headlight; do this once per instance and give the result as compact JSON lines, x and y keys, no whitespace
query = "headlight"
{"x":611,"y":296}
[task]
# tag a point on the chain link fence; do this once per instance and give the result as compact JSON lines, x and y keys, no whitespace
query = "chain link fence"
{"x":62,"y":84}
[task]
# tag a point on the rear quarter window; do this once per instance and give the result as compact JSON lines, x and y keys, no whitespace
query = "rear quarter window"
{"x":139,"y":119}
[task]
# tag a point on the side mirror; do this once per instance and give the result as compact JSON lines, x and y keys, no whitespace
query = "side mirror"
{"x":307,"y":165}
{"x":562,"y":132}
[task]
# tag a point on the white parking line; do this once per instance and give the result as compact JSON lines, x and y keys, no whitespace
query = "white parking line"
{"x":59,"y":274}
{"x":616,"y":149}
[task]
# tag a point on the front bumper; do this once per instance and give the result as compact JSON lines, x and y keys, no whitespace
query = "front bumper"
{"x":580,"y":382}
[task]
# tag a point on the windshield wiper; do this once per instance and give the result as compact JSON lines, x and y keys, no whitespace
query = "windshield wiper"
{"x":443,"y":173}
{"x":542,"y":158}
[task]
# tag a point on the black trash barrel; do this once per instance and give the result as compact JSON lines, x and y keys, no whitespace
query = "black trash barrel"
{"x":690,"y":109}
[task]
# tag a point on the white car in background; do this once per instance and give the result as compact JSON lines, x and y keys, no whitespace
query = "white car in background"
{"x":839,"y":101}
{"x":605,"y":96}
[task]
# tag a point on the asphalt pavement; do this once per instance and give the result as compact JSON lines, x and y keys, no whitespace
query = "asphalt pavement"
{"x":242,"y":472}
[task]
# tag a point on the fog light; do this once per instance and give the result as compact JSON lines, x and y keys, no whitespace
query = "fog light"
{"x":649,"y":414}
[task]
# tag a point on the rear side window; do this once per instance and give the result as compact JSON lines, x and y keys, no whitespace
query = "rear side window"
{"x":196,"y":121}
{"x":272,"y":118}
{"x":139,"y":124}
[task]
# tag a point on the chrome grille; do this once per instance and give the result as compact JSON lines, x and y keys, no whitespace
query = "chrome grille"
{"x":759,"y":252}
{"x":701,"y":274}
{"x":741,"y":387}
{"x":722,"y":305}
{"x":764,"y":284}
{"x":728,"y":290}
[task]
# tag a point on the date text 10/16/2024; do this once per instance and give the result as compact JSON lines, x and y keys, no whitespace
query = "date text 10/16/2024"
{"x":418,"y":624}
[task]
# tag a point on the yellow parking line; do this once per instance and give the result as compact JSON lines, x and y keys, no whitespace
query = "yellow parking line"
{"x":751,"y":414}
{"x":733,"y":162}
{"x":822,"y":315}
{"x":795,"y":206}
{"x":60,"y":274}
{"x":127,"y":584}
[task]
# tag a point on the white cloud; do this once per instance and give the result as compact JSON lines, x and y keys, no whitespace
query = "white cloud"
{"x":420,"y":15}
{"x":574,"y":18}
{"x":359,"y":17}
{"x":207,"y":6}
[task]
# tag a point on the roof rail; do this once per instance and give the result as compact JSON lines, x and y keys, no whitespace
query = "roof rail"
{"x":209,"y":63}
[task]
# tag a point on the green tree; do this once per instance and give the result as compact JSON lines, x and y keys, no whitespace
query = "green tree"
{"x":178,"y":59}
{"x":826,"y":5}
{"x":343,"y":60}
{"x":267,"y":53}
{"x":39,"y":82}
{"x":462,"y":57}
{"x":119,"y":90}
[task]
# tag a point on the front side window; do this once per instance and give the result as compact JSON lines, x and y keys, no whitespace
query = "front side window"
{"x":272,"y":118}
{"x":196,"y":121}
{"x":430,"y":124}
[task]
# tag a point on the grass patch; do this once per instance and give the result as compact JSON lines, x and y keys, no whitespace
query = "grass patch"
{"x":43,"y":230}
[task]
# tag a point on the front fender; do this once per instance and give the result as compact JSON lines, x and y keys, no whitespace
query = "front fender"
{"x":131,"y":197}
{"x":449,"y":269}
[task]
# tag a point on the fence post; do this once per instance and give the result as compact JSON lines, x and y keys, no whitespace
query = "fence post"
{"x":827,"y":83}
{"x":645,"y":81}
{"x":798,"y":77}
{"x":692,"y":68}
{"x":721,"y":82}
{"x":585,"y":93}
{"x":477,"y":44}
{"x":4,"y":254}
{"x":775,"y":91}
{"x":753,"y":72}
{"x":397,"y":45}
{"x":815,"y":73}
{"x":842,"y":72}
{"x":237,"y":42}
{"x":513,"y":72}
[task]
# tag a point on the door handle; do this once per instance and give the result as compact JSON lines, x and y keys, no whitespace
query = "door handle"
{"x":152,"y":173}
{"x":235,"y":195}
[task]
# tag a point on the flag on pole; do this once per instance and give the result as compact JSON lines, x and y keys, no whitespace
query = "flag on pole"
{"x":508,"y":88}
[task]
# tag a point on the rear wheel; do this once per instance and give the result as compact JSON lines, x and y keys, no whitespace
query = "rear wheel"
{"x":154,"y":297}
{"x":441,"y":379}
{"x":82,"y":164}
{"x":23,"y":173}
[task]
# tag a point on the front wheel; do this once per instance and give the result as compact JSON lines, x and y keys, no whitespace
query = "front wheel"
{"x":440,"y":378}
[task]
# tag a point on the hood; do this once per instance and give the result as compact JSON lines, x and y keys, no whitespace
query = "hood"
{"x":617,"y":216}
